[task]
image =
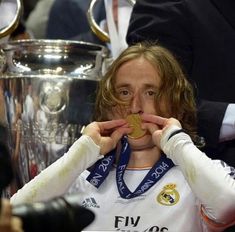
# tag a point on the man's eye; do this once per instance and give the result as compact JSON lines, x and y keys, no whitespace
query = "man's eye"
{"x":124,"y":92}
{"x":151,"y":93}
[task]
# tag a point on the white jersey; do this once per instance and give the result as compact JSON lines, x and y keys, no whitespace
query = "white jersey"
{"x":169,"y":205}
{"x":172,"y":204}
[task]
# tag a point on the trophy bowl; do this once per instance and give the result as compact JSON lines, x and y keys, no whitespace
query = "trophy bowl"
{"x":47,"y":92}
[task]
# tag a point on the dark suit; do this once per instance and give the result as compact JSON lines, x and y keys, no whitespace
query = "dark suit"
{"x":68,"y":20}
{"x":201,"y":34}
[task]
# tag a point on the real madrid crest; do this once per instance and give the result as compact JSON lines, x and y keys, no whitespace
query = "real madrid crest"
{"x":169,"y":195}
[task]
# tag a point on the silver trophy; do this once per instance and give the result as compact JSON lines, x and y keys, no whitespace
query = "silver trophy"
{"x":47,"y":93}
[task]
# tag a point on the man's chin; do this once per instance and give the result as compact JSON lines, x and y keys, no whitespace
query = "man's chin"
{"x":145,"y":142}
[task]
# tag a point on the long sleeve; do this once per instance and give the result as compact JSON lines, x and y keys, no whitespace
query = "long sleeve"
{"x":58,"y":177}
{"x":210,"y":181}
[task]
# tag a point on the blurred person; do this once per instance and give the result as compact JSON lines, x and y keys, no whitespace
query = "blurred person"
{"x":68,"y":20}
{"x":9,"y":223}
{"x":135,"y":166}
{"x":188,"y":28}
{"x":111,"y":15}
{"x":37,"y":19}
{"x":28,"y":6}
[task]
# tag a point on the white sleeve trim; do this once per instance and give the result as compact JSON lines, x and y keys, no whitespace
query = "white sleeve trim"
{"x":56,"y":179}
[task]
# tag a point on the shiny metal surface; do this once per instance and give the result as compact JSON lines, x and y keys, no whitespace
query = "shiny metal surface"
{"x":47,"y":92}
{"x":9,"y":22}
{"x":132,"y":2}
{"x":101,"y":34}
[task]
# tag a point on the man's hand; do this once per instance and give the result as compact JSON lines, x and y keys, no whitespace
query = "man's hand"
{"x":157,"y":125}
{"x":107,"y":134}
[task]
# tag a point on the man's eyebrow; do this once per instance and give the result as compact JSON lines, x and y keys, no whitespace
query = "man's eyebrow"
{"x":147,"y":85}
{"x":121,"y":85}
{"x":151,"y":86}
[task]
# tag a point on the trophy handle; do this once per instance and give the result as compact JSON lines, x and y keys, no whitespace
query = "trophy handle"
{"x":102,"y":35}
{"x":12,"y":25}
{"x":132,"y":2}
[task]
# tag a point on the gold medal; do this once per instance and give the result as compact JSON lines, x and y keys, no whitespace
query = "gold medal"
{"x":135,"y":122}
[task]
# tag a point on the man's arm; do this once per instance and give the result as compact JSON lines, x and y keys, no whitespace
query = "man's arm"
{"x":212,"y":182}
{"x":56,"y":179}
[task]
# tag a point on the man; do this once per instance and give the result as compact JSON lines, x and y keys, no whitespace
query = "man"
{"x":147,"y":173}
{"x":201,"y":34}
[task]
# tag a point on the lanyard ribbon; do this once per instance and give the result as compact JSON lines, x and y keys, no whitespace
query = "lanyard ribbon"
{"x":103,"y":166}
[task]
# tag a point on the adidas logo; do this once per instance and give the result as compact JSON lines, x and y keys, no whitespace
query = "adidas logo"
{"x":90,"y":203}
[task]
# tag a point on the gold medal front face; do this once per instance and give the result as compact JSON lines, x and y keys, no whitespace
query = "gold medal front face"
{"x":135,"y":122}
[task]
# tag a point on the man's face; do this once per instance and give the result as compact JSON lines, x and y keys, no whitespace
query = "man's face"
{"x":137,"y":82}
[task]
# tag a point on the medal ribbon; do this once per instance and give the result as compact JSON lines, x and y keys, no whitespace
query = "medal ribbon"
{"x":101,"y":169}
{"x":103,"y":166}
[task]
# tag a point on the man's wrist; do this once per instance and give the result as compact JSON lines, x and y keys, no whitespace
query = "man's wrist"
{"x":167,"y":134}
{"x":175,"y":133}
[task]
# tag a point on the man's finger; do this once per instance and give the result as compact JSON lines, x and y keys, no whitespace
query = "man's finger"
{"x":111,"y":124}
{"x":154,"y":119}
{"x":120,"y":132}
{"x":151,"y":127}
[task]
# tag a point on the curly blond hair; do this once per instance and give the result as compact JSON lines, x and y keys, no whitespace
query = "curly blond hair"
{"x":175,"y":89}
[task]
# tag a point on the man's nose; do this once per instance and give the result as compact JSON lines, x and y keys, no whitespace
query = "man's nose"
{"x":136,"y":104}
